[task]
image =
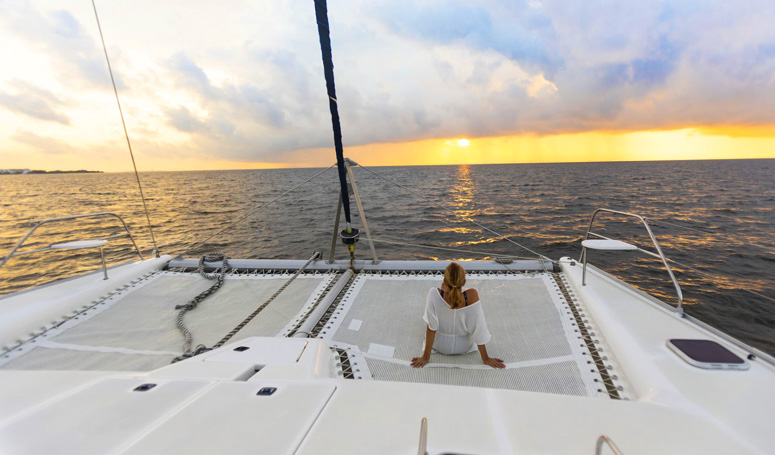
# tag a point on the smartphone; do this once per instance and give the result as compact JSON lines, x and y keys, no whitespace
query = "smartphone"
{"x":707,"y":354}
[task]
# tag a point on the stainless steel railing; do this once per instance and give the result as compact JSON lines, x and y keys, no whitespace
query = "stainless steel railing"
{"x":659,"y":254}
{"x":423,"y":447}
{"x":21,"y":242}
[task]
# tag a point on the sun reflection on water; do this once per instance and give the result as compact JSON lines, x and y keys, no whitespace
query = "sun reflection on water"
{"x":545,"y":207}
{"x":463,"y":193}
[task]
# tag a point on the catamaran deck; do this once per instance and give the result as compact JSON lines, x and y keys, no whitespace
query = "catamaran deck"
{"x":335,"y":346}
{"x":374,"y":324}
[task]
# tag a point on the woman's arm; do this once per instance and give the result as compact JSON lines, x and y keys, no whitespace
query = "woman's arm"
{"x":430,"y":336}
{"x":493,"y":362}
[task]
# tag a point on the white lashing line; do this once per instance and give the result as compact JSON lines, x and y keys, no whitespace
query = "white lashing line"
{"x":463,"y":366}
{"x":108,"y":349}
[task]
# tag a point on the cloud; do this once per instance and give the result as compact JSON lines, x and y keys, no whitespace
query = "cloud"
{"x":74,"y":50}
{"x":182,"y":120}
{"x":47,"y":145}
{"x":246,"y":82}
{"x":241,"y":99}
{"x":33,"y":101}
{"x":519,"y":32}
{"x":190,"y":75}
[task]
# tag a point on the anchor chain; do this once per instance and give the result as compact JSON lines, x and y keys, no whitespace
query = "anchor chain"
{"x":202,"y":348}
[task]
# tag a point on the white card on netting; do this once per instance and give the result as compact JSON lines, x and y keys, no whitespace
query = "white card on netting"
{"x":381,"y":350}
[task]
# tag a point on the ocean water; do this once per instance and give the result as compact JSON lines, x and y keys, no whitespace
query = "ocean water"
{"x":713,"y":216}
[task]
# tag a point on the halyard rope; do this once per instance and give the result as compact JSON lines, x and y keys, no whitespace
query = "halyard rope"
{"x":126,"y":134}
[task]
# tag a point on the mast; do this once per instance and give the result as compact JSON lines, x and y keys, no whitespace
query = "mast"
{"x":321,"y":14}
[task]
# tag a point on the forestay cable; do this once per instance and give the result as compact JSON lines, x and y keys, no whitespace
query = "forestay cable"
{"x":126,"y":134}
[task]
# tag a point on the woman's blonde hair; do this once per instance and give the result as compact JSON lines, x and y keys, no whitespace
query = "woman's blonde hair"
{"x":455,"y":279}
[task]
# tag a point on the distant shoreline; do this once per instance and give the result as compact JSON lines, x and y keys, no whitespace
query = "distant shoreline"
{"x":454,"y":165}
{"x":37,"y":171}
{"x":5,"y":171}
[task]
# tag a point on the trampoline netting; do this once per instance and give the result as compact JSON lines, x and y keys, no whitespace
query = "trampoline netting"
{"x":135,"y":330}
{"x":376,"y":327}
{"x":380,"y":321}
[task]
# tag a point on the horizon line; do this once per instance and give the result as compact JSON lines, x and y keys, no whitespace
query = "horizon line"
{"x":430,"y":165}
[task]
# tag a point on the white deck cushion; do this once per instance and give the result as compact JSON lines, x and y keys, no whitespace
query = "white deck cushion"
{"x":608,"y":245}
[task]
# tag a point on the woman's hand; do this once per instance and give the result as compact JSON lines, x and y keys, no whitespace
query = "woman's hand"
{"x":490,"y":361}
{"x":493,"y":362}
{"x":419,"y":362}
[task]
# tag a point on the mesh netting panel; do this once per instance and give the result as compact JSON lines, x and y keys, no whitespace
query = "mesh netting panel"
{"x":66,"y":359}
{"x":520,"y":314}
{"x":139,"y":324}
{"x":145,"y":318}
{"x":562,"y":378}
{"x":381,"y":318}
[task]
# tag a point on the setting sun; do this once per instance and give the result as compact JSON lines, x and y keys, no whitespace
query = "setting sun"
{"x":463,"y":142}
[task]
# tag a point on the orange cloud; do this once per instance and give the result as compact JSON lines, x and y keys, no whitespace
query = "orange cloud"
{"x":683,"y":144}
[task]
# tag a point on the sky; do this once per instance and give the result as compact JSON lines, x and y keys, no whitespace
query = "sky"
{"x":238,"y":84}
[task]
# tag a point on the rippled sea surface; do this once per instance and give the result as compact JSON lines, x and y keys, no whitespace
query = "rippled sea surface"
{"x":729,"y":206}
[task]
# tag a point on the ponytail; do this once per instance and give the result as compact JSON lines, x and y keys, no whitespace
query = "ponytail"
{"x":455,"y":279}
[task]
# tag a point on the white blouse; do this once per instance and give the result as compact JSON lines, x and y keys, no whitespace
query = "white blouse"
{"x":457,"y":331}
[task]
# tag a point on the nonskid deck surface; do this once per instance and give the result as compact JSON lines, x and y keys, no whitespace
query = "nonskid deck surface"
{"x":379,"y":323}
{"x":135,"y":328}
{"x":376,"y":325}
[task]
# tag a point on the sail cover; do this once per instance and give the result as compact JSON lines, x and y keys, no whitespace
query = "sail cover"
{"x":321,"y":14}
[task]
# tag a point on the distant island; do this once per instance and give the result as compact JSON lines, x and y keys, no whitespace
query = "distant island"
{"x":37,"y":171}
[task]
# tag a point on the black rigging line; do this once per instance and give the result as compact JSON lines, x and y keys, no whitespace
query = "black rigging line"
{"x":321,"y":15}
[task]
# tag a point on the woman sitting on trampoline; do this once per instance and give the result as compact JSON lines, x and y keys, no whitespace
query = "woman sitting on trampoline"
{"x":455,"y":320}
